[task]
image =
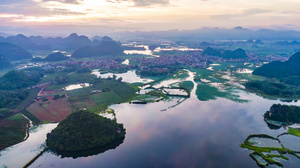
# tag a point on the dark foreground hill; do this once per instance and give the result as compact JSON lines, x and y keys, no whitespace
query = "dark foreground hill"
{"x":13,"y":52}
{"x":279,"y":69}
{"x":287,"y":72}
{"x":84,"y":130}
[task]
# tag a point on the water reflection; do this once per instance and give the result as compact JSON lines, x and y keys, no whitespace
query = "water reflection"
{"x":129,"y":76}
{"x":90,"y":152}
{"x":191,"y":134}
{"x":77,"y":86}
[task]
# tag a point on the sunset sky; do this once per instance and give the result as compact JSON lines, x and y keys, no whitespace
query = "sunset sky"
{"x":62,"y":16}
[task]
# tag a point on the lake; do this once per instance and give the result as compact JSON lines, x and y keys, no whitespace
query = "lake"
{"x":190,"y":134}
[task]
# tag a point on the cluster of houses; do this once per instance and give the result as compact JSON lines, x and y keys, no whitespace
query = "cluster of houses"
{"x":190,"y":59}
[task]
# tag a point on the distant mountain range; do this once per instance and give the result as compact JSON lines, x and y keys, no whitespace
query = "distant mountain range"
{"x":15,"y":47}
{"x":72,"y":42}
{"x":238,"y":33}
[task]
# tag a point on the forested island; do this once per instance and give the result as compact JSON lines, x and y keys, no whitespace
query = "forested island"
{"x":84,"y":130}
{"x":283,"y":113}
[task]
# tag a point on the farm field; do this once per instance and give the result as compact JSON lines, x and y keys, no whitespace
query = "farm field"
{"x":52,"y":111}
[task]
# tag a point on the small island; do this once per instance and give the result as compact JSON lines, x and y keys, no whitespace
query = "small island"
{"x":84,"y":130}
{"x":283,"y":113}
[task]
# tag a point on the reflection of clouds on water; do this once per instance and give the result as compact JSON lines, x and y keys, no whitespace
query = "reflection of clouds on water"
{"x":192,"y":134}
{"x":90,"y":152}
{"x":288,"y":141}
{"x":129,"y":76}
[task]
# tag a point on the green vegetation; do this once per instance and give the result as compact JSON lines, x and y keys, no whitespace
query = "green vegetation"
{"x":294,"y":131}
{"x":106,"y":98}
{"x":150,"y":97}
{"x":56,"y":57}
{"x":156,"y":93}
{"x":288,"y":71}
{"x":18,"y":79}
{"x":283,"y":113}
{"x":211,"y":76}
{"x":277,"y":156}
{"x":51,"y":57}
{"x":13,"y":52}
{"x":12,"y":130}
{"x":206,"y":92}
{"x":10,"y":99}
{"x":187,"y":85}
{"x":12,"y":92}
{"x":104,"y":48}
{"x":110,"y":91}
{"x":4,"y":63}
{"x":84,"y":130}
{"x":5,"y":112}
{"x":181,"y":74}
{"x":265,"y":152}
{"x":34,"y":119}
{"x":273,"y":89}
{"x":32,"y":93}
{"x":158,"y":71}
{"x":236,"y":54}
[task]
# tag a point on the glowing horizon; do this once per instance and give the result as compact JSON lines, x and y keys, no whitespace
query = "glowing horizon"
{"x":131,"y":15}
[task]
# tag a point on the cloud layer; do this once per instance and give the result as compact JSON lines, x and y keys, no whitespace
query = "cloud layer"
{"x":149,"y":14}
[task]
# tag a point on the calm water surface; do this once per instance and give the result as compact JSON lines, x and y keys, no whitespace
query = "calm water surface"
{"x":192,"y":134}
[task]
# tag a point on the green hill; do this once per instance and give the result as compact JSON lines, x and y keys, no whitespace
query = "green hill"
{"x":84,"y":130}
{"x":17,"y":79}
{"x":13,"y":52}
{"x":288,"y":72}
{"x":236,"y":54}
{"x":55,"y":57}
{"x":212,"y":52}
{"x":106,"y":47}
{"x":4,"y":63}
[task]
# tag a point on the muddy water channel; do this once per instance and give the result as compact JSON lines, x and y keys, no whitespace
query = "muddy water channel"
{"x":191,"y":134}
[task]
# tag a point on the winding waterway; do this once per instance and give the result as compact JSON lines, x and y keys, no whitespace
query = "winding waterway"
{"x":192,"y":134}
